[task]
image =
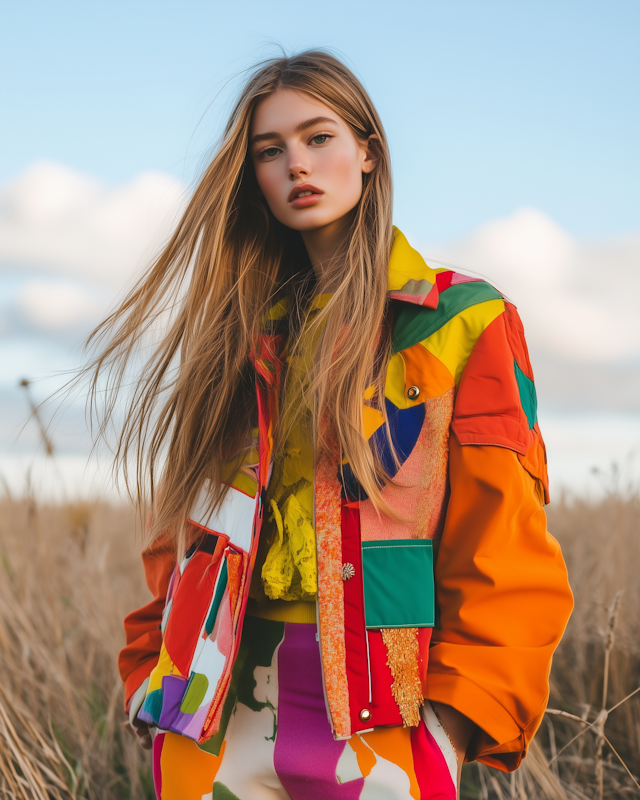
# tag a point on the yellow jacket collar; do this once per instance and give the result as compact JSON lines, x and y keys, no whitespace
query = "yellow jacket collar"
{"x":410,"y":278}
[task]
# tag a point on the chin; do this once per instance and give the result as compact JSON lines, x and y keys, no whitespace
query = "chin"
{"x":313,"y":221}
{"x":305,"y":224}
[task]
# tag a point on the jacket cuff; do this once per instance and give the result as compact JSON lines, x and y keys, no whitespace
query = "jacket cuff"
{"x":498,"y":742}
{"x":133,"y":681}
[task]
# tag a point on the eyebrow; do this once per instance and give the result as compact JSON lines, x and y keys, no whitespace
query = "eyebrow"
{"x":301,"y":126}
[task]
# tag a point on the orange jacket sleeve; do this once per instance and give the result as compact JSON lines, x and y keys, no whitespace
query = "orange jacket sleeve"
{"x":501,"y":582}
{"x":142,"y":627}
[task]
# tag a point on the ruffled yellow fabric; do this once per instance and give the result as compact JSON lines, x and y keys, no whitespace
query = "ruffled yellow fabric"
{"x":289,"y":570}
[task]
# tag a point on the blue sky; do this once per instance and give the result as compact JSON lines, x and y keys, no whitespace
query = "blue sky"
{"x":489,"y":106}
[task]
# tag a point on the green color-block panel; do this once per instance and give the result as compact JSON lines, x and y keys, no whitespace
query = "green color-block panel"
{"x":528,"y":396}
{"x":222,"y":792}
{"x":414,"y":323}
{"x":399,"y":589}
{"x":196,"y":690}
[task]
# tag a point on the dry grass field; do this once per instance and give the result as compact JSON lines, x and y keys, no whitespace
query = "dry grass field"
{"x":69,"y":573}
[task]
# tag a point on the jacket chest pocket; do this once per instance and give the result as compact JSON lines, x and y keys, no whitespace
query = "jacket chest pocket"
{"x":399,"y":589}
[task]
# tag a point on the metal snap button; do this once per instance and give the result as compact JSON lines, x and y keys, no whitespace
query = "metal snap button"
{"x":365,"y":715}
{"x":413,"y":392}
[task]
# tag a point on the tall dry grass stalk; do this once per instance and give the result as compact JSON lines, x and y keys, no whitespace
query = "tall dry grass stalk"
{"x":70,"y":573}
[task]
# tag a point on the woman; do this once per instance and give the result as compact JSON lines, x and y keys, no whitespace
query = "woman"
{"x":334,"y":423}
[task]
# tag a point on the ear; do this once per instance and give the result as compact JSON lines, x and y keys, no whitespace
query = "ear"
{"x":371,"y":154}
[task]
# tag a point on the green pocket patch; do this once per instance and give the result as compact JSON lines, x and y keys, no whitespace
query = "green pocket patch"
{"x":399,"y":589}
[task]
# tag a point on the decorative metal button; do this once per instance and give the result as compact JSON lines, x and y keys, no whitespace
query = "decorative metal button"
{"x":413,"y":392}
{"x":365,"y":715}
{"x":347,"y":571}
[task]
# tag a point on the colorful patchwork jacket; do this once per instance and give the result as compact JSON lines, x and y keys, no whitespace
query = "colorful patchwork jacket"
{"x":464,"y":602}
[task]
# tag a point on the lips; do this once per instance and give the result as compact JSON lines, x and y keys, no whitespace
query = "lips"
{"x":304,"y":195}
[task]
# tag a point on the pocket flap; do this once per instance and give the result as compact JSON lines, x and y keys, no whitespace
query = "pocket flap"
{"x":399,"y":589}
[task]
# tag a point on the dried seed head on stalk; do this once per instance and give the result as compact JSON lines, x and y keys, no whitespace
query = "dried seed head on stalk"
{"x":35,"y":413}
{"x":612,"y":620}
{"x":609,"y":642}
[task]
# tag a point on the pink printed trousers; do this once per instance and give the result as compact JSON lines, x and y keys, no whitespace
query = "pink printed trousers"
{"x":275,"y":742}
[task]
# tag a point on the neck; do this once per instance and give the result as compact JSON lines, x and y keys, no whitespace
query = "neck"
{"x":324,"y":246}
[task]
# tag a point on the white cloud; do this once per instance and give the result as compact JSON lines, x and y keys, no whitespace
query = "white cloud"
{"x":56,"y":220}
{"x":56,"y":305}
{"x":577,"y":298}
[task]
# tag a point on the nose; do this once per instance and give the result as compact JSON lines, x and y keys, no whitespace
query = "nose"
{"x":298,"y":165}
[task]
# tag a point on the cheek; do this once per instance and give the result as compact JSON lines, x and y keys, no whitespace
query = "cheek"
{"x":347,"y":174}
{"x":269,"y":183}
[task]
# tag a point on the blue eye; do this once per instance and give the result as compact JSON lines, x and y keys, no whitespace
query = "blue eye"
{"x":270,"y":152}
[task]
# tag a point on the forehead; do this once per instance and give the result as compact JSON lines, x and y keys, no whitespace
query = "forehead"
{"x":284,"y":109}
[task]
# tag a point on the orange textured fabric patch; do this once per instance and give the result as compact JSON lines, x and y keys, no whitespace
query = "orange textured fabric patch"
{"x":331,"y":592}
{"x":234,"y":577}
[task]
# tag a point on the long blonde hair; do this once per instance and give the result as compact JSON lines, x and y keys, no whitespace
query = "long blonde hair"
{"x":193,"y":400}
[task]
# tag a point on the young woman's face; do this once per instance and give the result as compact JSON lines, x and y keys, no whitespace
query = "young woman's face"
{"x":308,"y":163}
